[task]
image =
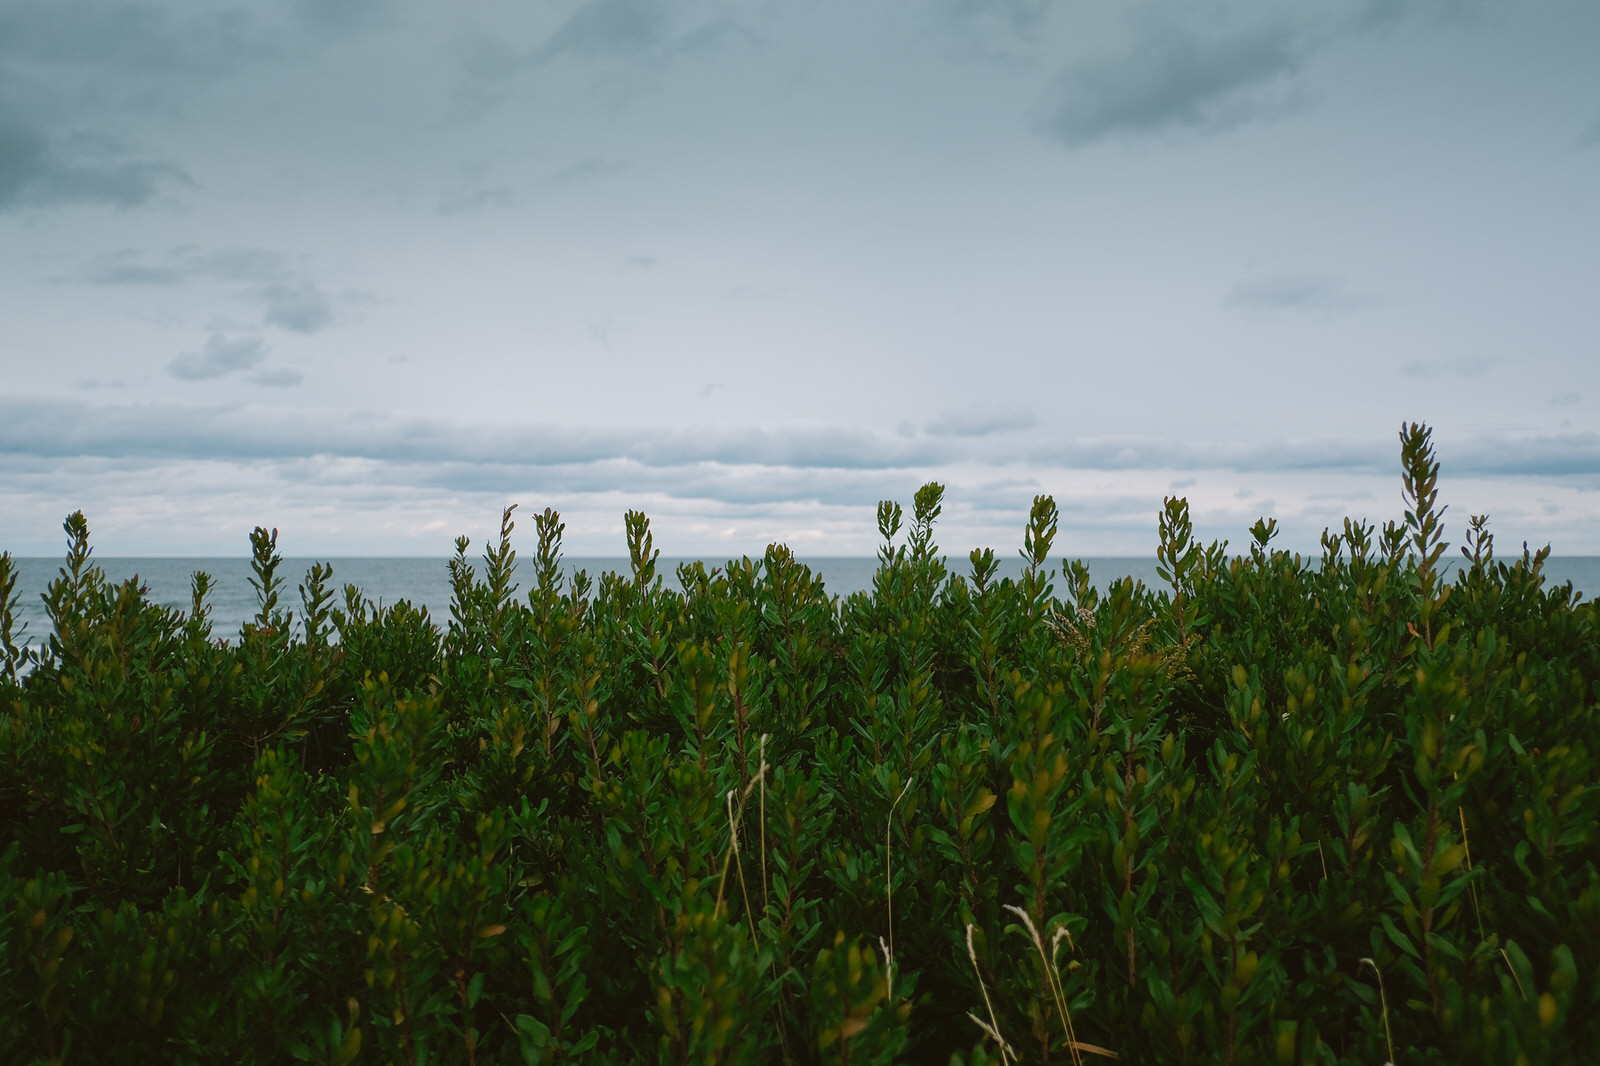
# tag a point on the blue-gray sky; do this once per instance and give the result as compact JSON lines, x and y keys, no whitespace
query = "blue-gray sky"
{"x":369,"y":271}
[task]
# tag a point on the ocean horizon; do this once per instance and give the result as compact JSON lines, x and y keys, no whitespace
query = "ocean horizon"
{"x":424,"y":581}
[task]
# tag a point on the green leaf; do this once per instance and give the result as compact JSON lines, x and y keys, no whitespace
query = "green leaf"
{"x":1399,"y":939}
{"x":1205,"y":902}
{"x":349,"y":1047}
{"x":533,"y":1034}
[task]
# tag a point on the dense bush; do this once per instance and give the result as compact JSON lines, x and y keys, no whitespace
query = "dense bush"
{"x":1292,"y":810}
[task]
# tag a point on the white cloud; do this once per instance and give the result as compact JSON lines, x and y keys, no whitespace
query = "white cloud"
{"x":707,"y":455}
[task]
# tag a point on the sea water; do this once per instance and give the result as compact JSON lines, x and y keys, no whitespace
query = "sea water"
{"x":425,"y":583}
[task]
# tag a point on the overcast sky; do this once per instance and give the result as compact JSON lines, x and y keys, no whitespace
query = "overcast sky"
{"x":369,"y":271}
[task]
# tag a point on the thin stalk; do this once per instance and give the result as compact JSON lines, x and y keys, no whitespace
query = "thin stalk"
{"x":1514,"y":977}
{"x":1384,"y":999}
{"x":727,"y":859}
{"x":1474,"y":887}
{"x":888,"y":860}
{"x":763,"y":770}
{"x":993,"y":1028}
{"x":733,"y":837}
{"x":731,"y":857}
{"x":1051,"y":980}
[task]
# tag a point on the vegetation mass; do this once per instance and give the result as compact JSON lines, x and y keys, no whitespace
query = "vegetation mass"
{"x":1284,"y":810}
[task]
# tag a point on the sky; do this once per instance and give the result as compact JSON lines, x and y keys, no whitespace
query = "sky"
{"x":368,"y":272}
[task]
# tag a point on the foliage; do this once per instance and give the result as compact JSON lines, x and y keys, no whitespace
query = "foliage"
{"x":1280,"y":810}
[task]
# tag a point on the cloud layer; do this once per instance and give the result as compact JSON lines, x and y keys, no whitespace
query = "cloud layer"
{"x":188,"y":478}
{"x":759,"y":265}
{"x":63,"y":428}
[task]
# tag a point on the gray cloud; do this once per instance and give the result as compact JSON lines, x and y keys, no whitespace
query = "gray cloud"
{"x":1023,"y":17}
{"x":583,"y":172}
{"x":343,"y":17}
{"x":754,"y":487}
{"x":625,"y":45}
{"x":76,"y":78}
{"x":128,"y":266}
{"x":1145,"y":453}
{"x":280,"y":287}
{"x":99,"y":383}
{"x":222,"y":356}
{"x":134,"y":57}
{"x":1312,"y":292}
{"x":1547,"y":455}
{"x":1485,"y":455}
{"x":497,"y":198}
{"x":301,"y":306}
{"x":599,"y":330}
{"x":980,"y":422}
{"x":60,"y":427}
{"x":278,"y":379}
{"x":235,"y":264}
{"x":607,"y":28}
{"x":78,"y":81}
{"x":185,"y":431}
{"x":125,"y":267}
{"x":1209,"y":67}
{"x":1172,"y":79}
{"x":720,"y":33}
{"x":37,"y":170}
{"x":144,"y":57}
{"x":384,"y":469}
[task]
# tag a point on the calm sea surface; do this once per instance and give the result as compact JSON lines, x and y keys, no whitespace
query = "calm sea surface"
{"x":426,"y":582}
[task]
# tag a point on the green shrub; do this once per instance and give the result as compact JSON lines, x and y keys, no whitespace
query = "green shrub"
{"x":1278,"y":810}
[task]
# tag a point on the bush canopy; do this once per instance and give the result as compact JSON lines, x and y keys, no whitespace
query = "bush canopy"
{"x":1281,"y":810}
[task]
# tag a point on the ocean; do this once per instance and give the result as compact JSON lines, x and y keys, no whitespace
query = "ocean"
{"x":426,"y":582}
